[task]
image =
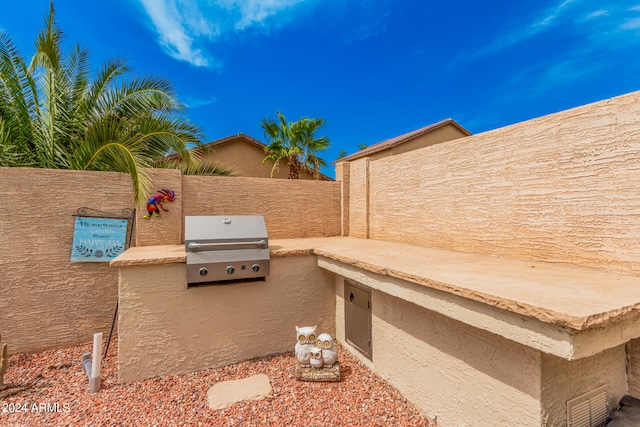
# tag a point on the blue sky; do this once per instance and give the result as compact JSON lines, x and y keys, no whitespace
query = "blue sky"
{"x":374,"y":69}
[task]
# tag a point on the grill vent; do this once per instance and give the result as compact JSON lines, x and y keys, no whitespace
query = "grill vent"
{"x":589,"y":409}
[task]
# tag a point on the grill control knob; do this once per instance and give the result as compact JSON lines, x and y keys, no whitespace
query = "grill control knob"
{"x":255,"y":268}
{"x":230,"y":269}
{"x":203,"y":271}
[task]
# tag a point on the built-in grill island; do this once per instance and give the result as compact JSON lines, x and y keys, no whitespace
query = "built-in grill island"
{"x":226,"y":249}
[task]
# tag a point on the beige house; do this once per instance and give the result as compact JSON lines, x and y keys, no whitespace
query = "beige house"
{"x":445,"y":130}
{"x":245,"y":154}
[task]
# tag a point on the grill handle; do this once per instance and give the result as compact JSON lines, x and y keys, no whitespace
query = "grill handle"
{"x":195,"y":245}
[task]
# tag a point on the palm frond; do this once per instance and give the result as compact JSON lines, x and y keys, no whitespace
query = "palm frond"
{"x":209,"y":168}
{"x":54,"y":114}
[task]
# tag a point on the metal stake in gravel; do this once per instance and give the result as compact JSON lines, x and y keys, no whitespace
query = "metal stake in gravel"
{"x":93,"y":368}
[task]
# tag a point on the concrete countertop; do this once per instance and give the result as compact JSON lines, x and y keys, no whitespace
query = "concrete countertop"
{"x":576,"y":298}
{"x":175,"y":254}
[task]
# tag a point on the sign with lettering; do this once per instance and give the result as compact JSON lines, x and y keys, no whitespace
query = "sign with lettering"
{"x":98,"y":239}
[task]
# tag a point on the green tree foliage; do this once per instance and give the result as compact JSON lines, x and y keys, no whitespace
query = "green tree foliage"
{"x":54,"y":114}
{"x":295,"y":143}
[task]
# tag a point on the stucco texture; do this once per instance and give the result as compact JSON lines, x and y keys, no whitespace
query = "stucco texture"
{"x":343,"y":177}
{"x":168,"y":328}
{"x":454,"y":372}
{"x":291,"y":208}
{"x":633,"y":367}
{"x":167,"y":228}
{"x":561,"y":188}
{"x":358,"y":198}
{"x":563,"y":380}
{"x":47,"y":301}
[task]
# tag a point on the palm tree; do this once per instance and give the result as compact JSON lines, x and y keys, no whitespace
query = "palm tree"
{"x":54,"y":115}
{"x":296,"y":143}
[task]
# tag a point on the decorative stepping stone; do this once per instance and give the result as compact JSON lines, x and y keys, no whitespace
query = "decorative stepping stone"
{"x":318,"y":374}
{"x":226,"y":393}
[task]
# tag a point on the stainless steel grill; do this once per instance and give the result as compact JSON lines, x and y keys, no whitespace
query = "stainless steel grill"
{"x":221,"y":249}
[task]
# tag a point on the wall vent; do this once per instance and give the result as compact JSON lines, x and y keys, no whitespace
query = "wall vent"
{"x":589,"y":409}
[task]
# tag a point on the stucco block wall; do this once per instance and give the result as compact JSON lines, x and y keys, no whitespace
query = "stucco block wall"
{"x":343,"y":176}
{"x":561,"y":188}
{"x":172,"y":329}
{"x":166,"y":229}
{"x":563,"y":380}
{"x":47,"y":301}
{"x":291,"y":208}
{"x":633,"y":367}
{"x":452,"y":371}
{"x":358,"y":198}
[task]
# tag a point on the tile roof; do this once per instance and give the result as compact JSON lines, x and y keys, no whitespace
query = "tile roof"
{"x":392,"y":142}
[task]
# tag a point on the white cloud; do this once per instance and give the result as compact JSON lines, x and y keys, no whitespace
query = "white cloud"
{"x":631,"y":24}
{"x":257,"y":11}
{"x":185,"y":28}
{"x":176,"y":34}
{"x":195,"y":102}
{"x":597,"y":13}
{"x":548,"y":19}
{"x":597,"y":28}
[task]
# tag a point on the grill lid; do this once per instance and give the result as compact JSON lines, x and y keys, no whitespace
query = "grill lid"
{"x":211,"y":232}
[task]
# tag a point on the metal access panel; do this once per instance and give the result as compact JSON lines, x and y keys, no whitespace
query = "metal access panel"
{"x":357,"y":312}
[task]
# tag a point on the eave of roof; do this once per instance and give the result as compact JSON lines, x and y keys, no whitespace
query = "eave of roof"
{"x":392,"y":142}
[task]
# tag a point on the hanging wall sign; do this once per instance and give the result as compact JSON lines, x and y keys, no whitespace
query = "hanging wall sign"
{"x":98,"y":239}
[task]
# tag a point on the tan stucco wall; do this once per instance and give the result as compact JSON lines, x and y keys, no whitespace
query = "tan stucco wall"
{"x":292,"y":208}
{"x":168,"y":328}
{"x":358,"y":198}
{"x":46,"y":300}
{"x":246,"y":159}
{"x":459,"y":374}
{"x":452,"y":371}
{"x":563,"y":380}
{"x":561,"y":188}
{"x":166,"y":229}
{"x":343,"y":175}
{"x":633,"y":367}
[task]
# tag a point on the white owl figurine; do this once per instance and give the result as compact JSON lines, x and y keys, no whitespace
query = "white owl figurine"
{"x":315,"y":355}
{"x":306,"y":340}
{"x":329,"y":351}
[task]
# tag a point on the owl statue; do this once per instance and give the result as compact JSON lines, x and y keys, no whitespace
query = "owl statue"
{"x":306,"y":340}
{"x":329,"y":351}
{"x":315,"y":357}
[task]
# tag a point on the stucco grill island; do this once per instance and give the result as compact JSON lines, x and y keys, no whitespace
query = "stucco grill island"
{"x":226,"y":249}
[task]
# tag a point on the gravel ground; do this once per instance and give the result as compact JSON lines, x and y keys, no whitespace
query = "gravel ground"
{"x":61,"y":396}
